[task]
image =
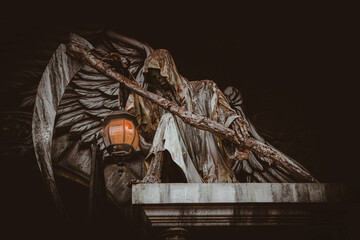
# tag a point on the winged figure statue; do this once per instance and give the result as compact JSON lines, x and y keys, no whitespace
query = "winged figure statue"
{"x":73,"y":99}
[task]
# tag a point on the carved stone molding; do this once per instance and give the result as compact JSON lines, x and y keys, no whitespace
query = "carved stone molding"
{"x":304,"y":207}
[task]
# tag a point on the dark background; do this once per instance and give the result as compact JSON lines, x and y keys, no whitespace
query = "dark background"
{"x":296,"y":66}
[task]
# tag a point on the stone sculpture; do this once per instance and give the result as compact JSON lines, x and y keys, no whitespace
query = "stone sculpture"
{"x":192,"y":129}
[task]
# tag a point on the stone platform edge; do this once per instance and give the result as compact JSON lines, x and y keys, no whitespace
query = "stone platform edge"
{"x":202,"y":193}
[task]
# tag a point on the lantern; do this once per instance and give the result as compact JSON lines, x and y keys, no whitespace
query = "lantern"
{"x":120,"y":134}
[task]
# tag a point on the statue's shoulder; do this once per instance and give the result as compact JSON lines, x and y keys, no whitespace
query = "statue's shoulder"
{"x":202,"y":85}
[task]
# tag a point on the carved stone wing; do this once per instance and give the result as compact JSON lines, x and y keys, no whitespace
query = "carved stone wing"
{"x":70,"y":102}
{"x":91,"y":96}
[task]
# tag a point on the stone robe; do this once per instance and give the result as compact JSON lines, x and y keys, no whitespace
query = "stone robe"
{"x":200,"y":154}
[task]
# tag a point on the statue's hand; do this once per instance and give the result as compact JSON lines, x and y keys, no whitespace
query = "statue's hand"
{"x":240,"y":127}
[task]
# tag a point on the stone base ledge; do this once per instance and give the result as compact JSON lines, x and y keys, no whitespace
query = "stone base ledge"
{"x":243,"y":206}
{"x":245,"y":215}
{"x":194,"y":193}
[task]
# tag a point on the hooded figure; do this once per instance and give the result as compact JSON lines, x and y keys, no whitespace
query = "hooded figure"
{"x":198,"y":153}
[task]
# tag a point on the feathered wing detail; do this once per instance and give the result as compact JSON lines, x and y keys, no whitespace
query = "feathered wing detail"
{"x":91,"y":96}
{"x":256,"y":168}
{"x":50,"y":90}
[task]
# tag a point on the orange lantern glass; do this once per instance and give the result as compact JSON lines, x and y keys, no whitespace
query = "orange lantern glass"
{"x":120,"y":134}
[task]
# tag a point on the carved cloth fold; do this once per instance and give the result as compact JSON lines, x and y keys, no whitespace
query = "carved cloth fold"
{"x":200,"y":154}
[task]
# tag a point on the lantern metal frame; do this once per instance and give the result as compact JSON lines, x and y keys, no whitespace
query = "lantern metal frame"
{"x":126,"y":149}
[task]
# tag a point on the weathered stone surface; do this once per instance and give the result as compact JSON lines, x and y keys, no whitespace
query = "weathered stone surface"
{"x":179,"y":193}
{"x":55,"y":78}
{"x":303,"y":210}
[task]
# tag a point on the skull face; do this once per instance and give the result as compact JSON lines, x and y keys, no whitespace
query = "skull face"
{"x":154,"y":78}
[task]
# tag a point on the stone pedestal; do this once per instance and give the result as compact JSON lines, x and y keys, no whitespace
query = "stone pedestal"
{"x":210,"y":211}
